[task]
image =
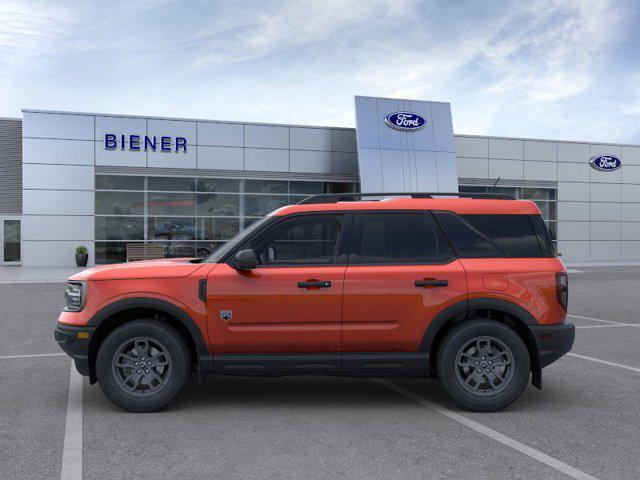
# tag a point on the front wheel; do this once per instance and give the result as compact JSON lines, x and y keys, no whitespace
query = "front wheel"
{"x":483,"y":365}
{"x":143,"y":365}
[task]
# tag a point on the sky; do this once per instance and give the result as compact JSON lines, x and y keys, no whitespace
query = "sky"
{"x":540,"y":69}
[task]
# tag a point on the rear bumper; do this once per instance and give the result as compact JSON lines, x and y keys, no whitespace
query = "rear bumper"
{"x":553,"y":341}
{"x":75,"y":345}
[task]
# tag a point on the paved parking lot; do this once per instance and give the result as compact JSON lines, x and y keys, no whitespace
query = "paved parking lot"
{"x":585,"y":423}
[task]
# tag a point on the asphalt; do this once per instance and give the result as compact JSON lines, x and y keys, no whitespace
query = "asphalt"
{"x":587,"y":415}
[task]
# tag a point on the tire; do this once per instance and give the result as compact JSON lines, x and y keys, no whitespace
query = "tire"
{"x":131,"y":382}
{"x":483,"y":341}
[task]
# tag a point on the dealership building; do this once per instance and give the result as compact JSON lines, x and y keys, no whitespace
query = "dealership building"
{"x":124,"y":186}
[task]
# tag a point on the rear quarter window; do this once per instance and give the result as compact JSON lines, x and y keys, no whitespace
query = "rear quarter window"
{"x":487,"y":236}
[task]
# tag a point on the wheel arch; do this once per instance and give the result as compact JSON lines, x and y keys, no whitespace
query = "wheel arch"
{"x":127,"y":310}
{"x":503,"y":311}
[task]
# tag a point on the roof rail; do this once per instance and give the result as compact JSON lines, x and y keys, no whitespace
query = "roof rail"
{"x":354,"y":197}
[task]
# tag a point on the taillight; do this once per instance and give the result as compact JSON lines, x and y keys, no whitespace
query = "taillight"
{"x":562,"y":289}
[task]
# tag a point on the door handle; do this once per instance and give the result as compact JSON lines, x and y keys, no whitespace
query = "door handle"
{"x":314,"y":284}
{"x":432,"y":283}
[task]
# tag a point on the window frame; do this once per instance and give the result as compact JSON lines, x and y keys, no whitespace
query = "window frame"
{"x":356,"y":246}
{"x":339,"y":258}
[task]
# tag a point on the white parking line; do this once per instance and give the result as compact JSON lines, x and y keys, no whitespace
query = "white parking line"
{"x":497,"y":436}
{"x":33,"y":355}
{"x":610,"y":326}
{"x":72,"y":449}
{"x":604,"y":362}
{"x":596,"y":319}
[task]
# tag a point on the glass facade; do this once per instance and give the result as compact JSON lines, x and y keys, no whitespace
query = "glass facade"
{"x":546,"y":199}
{"x":188,"y":216}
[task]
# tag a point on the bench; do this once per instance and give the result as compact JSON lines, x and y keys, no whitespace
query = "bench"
{"x":140,"y":251}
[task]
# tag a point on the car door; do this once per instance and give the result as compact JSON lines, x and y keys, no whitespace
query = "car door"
{"x":401,"y":273}
{"x":291,"y":303}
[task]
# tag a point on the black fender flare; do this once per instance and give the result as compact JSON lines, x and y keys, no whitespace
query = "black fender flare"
{"x":202,"y":351}
{"x":524,"y":317}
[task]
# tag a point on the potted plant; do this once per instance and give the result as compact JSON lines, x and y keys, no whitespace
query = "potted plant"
{"x":82,"y":256}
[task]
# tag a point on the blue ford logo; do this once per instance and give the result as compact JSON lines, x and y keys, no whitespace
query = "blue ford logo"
{"x":605,"y":163}
{"x":405,"y":121}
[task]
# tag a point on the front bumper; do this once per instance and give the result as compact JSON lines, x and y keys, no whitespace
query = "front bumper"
{"x":75,"y":343}
{"x":553,"y":341}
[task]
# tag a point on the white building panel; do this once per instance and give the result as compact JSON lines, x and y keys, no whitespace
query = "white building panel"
{"x":630,"y":212}
{"x":172,"y":128}
{"x":573,"y":211}
{"x":605,"y":212}
{"x":266,"y":136}
{"x":605,"y":192}
{"x":57,"y":202}
{"x":173,"y":159}
{"x":507,"y":169}
{"x":630,"y":193}
{"x":472,"y":147}
{"x":630,"y":155}
{"x":598,"y":149}
{"x":57,"y":227}
{"x":605,"y":231}
{"x":62,"y":152}
{"x":426,"y":164}
{"x":61,"y":177}
{"x":51,"y":253}
{"x":311,"y":139}
{"x":220,"y":158}
{"x":369,"y":160}
{"x":596,"y":176}
{"x":220,"y":134}
{"x":266,"y":160}
{"x":604,"y":251}
{"x":631,"y":231}
{"x":573,"y":231}
{"x":576,"y":192}
{"x":574,"y":152}
{"x":57,"y":125}
{"x":631,"y":251}
{"x":473,"y":167}
{"x":506,"y":149}
{"x":310,"y":161}
{"x":544,"y":151}
{"x":442,"y":127}
{"x":546,"y":171}
{"x":630,"y":174}
{"x":118,"y":157}
{"x":574,"y":172}
{"x":394,"y":177}
{"x":574,"y":250}
{"x":120,"y":126}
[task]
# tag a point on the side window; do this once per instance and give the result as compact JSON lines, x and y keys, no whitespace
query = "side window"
{"x":490,"y":236}
{"x":310,"y":239}
{"x":468,"y":241}
{"x":400,"y":238}
{"x":514,"y":234}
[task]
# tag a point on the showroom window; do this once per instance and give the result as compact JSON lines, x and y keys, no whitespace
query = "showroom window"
{"x":546,"y":198}
{"x":188,"y":216}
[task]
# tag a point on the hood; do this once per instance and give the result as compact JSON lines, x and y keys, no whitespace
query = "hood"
{"x":165,"y":268}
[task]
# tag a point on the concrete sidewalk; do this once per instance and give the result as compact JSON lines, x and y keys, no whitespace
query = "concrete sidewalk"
{"x":19,"y":274}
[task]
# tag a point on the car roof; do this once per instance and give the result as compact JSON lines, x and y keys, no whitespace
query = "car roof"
{"x":470,"y":206}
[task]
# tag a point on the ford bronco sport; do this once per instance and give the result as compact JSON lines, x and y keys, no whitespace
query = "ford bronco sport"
{"x":466,"y":288}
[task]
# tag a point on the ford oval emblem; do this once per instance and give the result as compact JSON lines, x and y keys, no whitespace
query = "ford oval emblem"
{"x":605,"y":163}
{"x":405,"y":121}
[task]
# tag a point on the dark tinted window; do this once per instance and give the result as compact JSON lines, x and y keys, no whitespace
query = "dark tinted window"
{"x":301,"y":241}
{"x":400,"y":238}
{"x":482,"y":236}
{"x":544,"y":237}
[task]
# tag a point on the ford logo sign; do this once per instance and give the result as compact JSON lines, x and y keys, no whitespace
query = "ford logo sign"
{"x":405,"y":121}
{"x":605,"y":163}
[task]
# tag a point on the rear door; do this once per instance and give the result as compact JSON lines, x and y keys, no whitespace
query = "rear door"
{"x":401,"y":273}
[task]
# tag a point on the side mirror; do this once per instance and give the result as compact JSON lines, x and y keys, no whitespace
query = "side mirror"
{"x":244,"y":260}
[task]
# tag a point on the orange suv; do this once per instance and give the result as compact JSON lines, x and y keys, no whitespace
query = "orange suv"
{"x":463,"y":287}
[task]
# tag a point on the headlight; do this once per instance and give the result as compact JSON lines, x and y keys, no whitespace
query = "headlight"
{"x":75,"y":295}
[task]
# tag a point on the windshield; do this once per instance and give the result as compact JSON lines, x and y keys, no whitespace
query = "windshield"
{"x":236,"y":240}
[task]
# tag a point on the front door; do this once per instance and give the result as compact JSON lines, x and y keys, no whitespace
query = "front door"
{"x":290,"y":304}
{"x":401,"y":273}
{"x":10,"y":240}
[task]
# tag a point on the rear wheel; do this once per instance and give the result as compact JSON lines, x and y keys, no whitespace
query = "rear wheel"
{"x":483,"y":365}
{"x":143,"y":365}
